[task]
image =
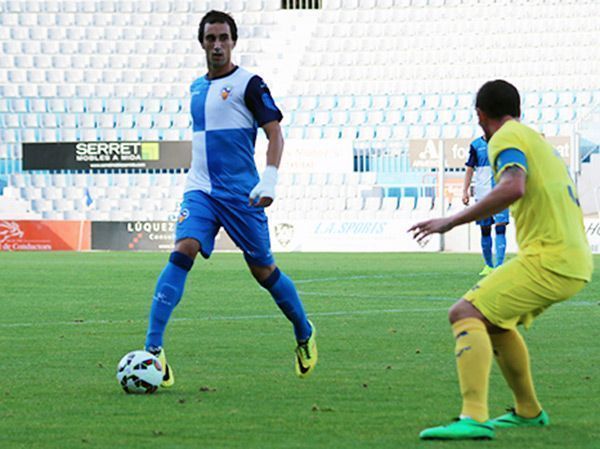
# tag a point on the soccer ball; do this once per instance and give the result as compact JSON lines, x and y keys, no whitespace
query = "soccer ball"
{"x":139,"y":372}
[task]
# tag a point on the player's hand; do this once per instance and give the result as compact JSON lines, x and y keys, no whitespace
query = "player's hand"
{"x":263,"y":201}
{"x":425,"y":228}
{"x":263,"y":193}
{"x":465,"y":198}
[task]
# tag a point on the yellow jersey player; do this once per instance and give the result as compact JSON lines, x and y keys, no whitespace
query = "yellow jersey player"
{"x":554,"y":262}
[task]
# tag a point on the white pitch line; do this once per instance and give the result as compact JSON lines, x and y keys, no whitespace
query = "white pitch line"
{"x":224,"y":318}
{"x":320,"y":294}
{"x":429,"y":298}
{"x":362,"y":277}
{"x":359,"y":296}
{"x":570,"y":308}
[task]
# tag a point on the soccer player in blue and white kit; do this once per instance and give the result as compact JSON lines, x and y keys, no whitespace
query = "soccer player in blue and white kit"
{"x":224,"y":189}
{"x":484,"y":182}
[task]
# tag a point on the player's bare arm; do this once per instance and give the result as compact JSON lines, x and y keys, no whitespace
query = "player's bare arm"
{"x":275,"y":147}
{"x":265,"y":189}
{"x":510,"y":189}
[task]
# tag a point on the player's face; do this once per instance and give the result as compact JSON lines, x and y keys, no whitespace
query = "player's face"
{"x":217,"y":43}
{"x":484,"y":123}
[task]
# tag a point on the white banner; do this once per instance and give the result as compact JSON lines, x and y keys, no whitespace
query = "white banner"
{"x":347,"y":236}
{"x":592,"y":229}
{"x":386,"y":236}
{"x":309,"y":155}
{"x":426,"y":152}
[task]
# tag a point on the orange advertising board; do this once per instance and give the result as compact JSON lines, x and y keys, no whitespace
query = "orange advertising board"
{"x":41,"y":235}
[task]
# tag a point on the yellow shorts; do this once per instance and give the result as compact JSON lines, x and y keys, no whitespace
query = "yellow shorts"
{"x":518,"y":291}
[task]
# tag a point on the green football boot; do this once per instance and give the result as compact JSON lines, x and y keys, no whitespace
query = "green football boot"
{"x":461,"y":429}
{"x":307,"y":355}
{"x":511,"y":419}
{"x":486,"y":270}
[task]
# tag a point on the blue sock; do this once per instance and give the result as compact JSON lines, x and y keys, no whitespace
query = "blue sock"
{"x":284,"y":293}
{"x":486,"y":245}
{"x":167,"y":294}
{"x":500,"y":244}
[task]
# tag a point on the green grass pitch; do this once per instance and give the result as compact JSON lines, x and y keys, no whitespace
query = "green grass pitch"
{"x":386,"y":367}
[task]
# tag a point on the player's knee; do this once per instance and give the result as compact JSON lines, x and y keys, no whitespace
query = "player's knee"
{"x":454,"y":314}
{"x":463,"y":309}
{"x":500,"y":229}
{"x":189,"y":247}
{"x":266,"y":276}
{"x":486,"y":231}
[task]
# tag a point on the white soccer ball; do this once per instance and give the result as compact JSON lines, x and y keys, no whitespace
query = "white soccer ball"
{"x":139,"y":372}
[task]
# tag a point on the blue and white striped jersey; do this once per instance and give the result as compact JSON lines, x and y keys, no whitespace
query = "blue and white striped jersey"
{"x":226,"y":113}
{"x":478,"y":159}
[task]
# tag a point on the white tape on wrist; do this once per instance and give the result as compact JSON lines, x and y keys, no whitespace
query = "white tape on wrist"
{"x":266,"y":185}
{"x":269,"y":176}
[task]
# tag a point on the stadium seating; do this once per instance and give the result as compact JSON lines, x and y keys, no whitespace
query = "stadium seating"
{"x":376,"y":72}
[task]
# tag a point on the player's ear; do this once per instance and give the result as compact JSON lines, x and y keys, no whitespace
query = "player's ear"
{"x":201,"y":36}
{"x":481,"y":116}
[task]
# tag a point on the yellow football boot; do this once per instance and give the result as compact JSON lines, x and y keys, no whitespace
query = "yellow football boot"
{"x":168,"y":376}
{"x":307,"y":355}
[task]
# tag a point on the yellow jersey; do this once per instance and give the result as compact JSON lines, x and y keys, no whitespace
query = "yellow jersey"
{"x":548,"y":218}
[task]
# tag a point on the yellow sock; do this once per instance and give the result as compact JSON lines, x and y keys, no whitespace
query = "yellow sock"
{"x":513,"y":358}
{"x":473,"y":362}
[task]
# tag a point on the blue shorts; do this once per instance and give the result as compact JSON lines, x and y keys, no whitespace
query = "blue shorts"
{"x":202,"y":216}
{"x":500,"y":217}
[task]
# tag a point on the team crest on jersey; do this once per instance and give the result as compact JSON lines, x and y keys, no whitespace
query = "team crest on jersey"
{"x":225,"y":92}
{"x":183,"y":215}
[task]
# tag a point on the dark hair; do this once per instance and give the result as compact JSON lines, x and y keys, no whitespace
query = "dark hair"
{"x":499,"y":98}
{"x":217,"y":17}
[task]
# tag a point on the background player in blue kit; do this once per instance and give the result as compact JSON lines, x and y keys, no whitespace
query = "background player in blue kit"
{"x":224,"y":189}
{"x":479,"y":164}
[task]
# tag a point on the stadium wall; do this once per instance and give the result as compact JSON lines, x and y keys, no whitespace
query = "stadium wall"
{"x":286,"y":236}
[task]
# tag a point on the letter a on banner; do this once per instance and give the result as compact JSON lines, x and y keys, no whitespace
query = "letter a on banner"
{"x":430,"y":152}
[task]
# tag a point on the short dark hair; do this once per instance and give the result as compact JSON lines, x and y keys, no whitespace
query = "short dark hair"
{"x":217,"y":17}
{"x":499,"y":98}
